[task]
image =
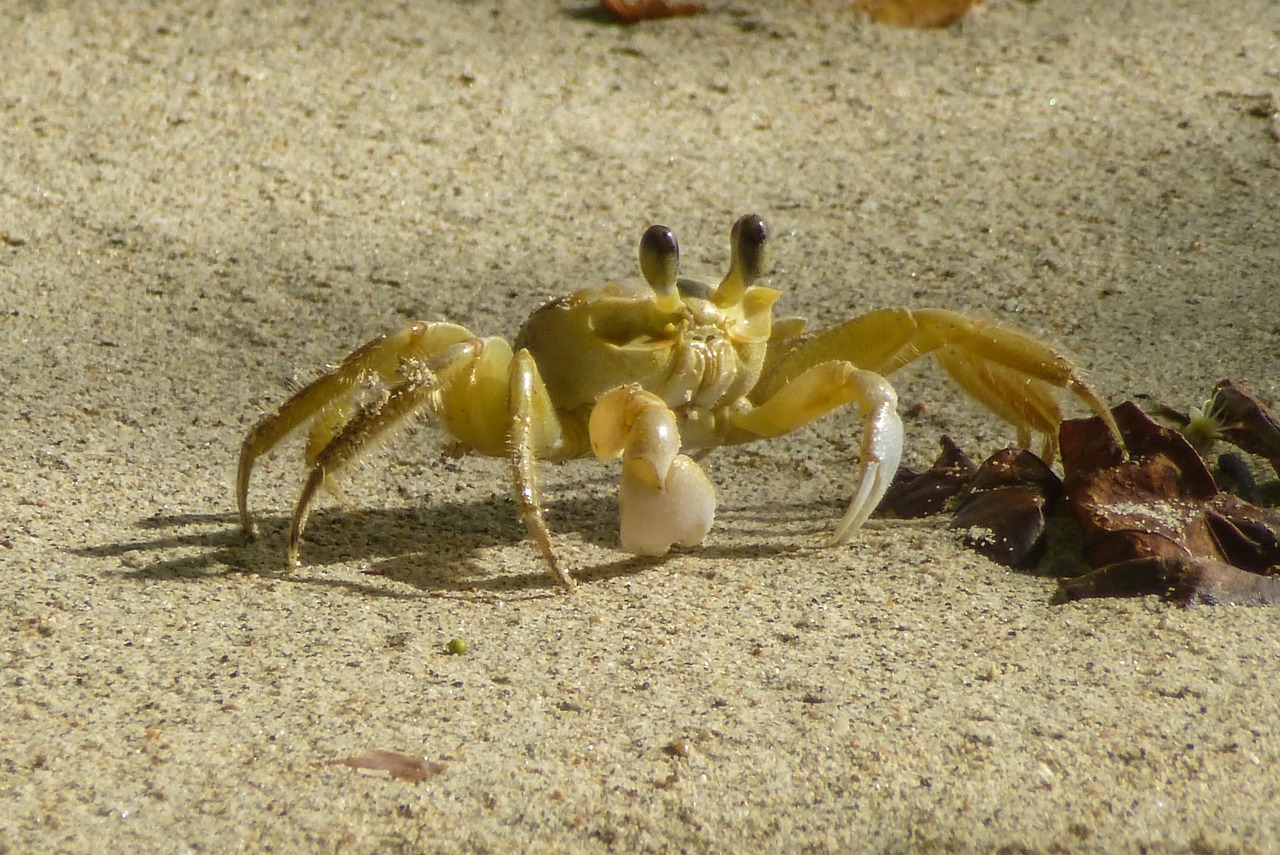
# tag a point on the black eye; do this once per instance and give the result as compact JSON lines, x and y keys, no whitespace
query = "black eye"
{"x":753,"y":231}
{"x":659,"y":242}
{"x":659,"y":257}
{"x":750,"y":236}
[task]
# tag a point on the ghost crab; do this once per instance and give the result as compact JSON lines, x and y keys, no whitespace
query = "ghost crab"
{"x":647,"y":369}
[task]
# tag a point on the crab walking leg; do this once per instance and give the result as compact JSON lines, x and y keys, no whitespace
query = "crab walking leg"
{"x":535,"y":427}
{"x":818,"y":391}
{"x":664,"y":497}
{"x":1025,"y":402}
{"x":327,"y":399}
{"x":371,"y":425}
{"x":1010,"y":372}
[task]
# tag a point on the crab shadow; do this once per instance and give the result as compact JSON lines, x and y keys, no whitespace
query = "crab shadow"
{"x":443,"y":547}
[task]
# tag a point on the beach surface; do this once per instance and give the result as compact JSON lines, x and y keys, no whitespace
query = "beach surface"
{"x":203,"y":205}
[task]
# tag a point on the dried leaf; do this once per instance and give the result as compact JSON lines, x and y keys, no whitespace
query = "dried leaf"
{"x":1005,"y":506}
{"x":920,"y":494}
{"x":916,"y":13}
{"x":415,"y":770}
{"x":1185,"y":580}
{"x":631,"y":11}
{"x":1249,"y":536}
{"x":1149,"y":505}
{"x":1246,"y":422}
{"x":1157,"y":523}
{"x":1234,"y":415}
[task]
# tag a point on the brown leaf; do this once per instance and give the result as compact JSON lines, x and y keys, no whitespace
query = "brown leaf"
{"x":1151,"y":504}
{"x":415,"y":770}
{"x":1234,"y":415}
{"x":916,"y":13}
{"x":1087,"y":446}
{"x":920,"y":494}
{"x":1186,"y":580}
{"x":1157,"y":523}
{"x":1006,"y":525}
{"x":1005,"y":505}
{"x":1246,"y":422}
{"x":631,"y":11}
{"x":1249,"y":536}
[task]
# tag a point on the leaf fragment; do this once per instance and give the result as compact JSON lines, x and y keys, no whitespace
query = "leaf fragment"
{"x":1179,"y":578}
{"x":1005,"y":507}
{"x":631,"y":11}
{"x":922,"y":14}
{"x":403,"y":767}
{"x":920,"y":494}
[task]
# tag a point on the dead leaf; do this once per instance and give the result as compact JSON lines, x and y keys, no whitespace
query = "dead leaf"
{"x":1235,"y":415}
{"x":415,"y":770}
{"x":1179,"y":578}
{"x":920,"y":494}
{"x":916,"y":13}
{"x":1001,"y":505}
{"x":1159,"y":513}
{"x":1246,"y":422}
{"x":1004,"y":508}
{"x":631,"y":11}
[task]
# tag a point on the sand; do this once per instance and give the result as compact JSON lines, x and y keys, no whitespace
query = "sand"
{"x":203,"y":205}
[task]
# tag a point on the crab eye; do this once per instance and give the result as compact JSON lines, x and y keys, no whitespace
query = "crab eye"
{"x":660,"y":262}
{"x":749,"y":240}
{"x":748,"y":257}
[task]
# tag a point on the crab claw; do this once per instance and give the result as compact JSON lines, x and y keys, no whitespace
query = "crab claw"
{"x":664,"y":497}
{"x":653,"y":518}
{"x":881,"y":451}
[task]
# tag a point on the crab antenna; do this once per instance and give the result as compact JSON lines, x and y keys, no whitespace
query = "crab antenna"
{"x":659,"y":262}
{"x":748,"y":257}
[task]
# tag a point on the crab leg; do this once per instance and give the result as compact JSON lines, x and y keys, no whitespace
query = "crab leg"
{"x":664,"y":497}
{"x":369,"y":426}
{"x":535,"y":427}
{"x":490,"y":401}
{"x":817,"y":392}
{"x":1011,"y":373}
{"x":453,"y":384}
{"x":325,"y":402}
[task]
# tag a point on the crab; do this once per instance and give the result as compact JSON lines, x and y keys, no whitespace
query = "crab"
{"x":658,"y":371}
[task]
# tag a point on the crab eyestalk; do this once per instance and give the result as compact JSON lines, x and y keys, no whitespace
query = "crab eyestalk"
{"x":748,"y":257}
{"x":660,"y":264}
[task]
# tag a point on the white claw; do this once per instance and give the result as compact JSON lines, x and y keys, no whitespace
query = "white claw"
{"x":653,"y":518}
{"x":881,"y":451}
{"x":664,"y":497}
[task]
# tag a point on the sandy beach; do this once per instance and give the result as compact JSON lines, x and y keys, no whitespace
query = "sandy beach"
{"x":204,"y":205}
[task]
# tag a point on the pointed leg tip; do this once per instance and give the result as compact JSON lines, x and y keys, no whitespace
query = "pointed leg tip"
{"x":562,"y":576}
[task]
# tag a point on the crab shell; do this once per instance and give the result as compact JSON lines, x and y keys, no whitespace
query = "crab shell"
{"x":695,"y":358}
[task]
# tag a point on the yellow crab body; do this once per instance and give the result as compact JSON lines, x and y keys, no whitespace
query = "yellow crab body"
{"x":696,"y":357}
{"x":644,"y":369}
